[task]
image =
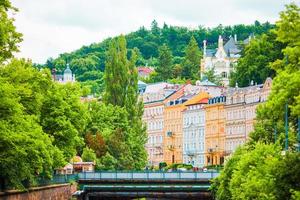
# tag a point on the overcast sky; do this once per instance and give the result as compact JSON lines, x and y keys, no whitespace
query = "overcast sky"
{"x":51,"y":27}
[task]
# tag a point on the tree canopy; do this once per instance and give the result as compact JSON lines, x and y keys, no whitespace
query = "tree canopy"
{"x":9,"y":37}
{"x":88,"y":61}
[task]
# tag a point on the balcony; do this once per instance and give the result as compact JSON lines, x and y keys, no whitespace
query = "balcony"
{"x":171,"y":147}
{"x":212,"y":150}
{"x":190,"y":152}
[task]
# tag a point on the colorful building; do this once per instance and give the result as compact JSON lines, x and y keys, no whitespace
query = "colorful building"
{"x":172,"y":137}
{"x":194,"y":130}
{"x":153,"y":116}
{"x":214,"y":131}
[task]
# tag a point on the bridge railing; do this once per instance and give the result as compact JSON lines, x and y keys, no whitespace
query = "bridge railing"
{"x":146,"y":175}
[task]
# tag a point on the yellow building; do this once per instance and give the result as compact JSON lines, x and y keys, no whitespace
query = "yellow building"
{"x":214,"y":131}
{"x":172,"y":137}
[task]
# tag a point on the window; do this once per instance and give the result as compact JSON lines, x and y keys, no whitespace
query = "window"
{"x":224,"y":74}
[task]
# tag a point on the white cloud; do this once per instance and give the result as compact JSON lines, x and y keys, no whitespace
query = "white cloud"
{"x":51,"y":27}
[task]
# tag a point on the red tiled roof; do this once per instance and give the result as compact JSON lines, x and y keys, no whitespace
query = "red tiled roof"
{"x":145,"y":69}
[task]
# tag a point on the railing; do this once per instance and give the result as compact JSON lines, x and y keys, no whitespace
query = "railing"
{"x":146,"y":175}
{"x":57,"y":179}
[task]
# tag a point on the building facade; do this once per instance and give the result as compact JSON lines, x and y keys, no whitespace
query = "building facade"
{"x":172,"y":137}
{"x":240,"y":111}
{"x":153,"y":97}
{"x":215,"y":131}
{"x":222,"y":60}
{"x":194,"y":130}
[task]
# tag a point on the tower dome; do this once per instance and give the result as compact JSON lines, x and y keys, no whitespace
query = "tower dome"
{"x":68,"y":70}
{"x":68,"y":74}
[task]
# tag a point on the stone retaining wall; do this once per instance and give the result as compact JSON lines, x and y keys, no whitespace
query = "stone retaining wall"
{"x":52,"y":192}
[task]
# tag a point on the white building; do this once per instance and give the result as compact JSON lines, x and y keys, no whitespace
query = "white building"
{"x":221,"y":61}
{"x":194,"y":130}
{"x":66,"y":77}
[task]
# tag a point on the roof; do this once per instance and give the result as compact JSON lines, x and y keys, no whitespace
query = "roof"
{"x":146,"y":70}
{"x":156,"y":87}
{"x":141,"y":83}
{"x":202,"y":97}
{"x":68,"y":70}
{"x":210,"y":52}
{"x":230,"y":47}
{"x":206,"y":82}
{"x":83,"y":163}
{"x":232,"y":90}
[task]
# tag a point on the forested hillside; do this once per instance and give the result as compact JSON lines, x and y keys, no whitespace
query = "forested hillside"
{"x":88,"y":62}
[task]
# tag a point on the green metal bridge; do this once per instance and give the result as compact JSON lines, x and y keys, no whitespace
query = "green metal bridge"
{"x":144,"y":184}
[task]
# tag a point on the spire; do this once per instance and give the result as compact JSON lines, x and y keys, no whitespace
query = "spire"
{"x":220,"y":42}
{"x":204,"y":48}
{"x":235,"y":38}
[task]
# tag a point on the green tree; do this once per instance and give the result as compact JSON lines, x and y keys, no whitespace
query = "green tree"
{"x":191,"y":63}
{"x":64,"y":117}
{"x":254,"y":64}
{"x":164,"y":68}
{"x":286,"y":84}
{"x":212,"y":77}
{"x":155,"y":30}
{"x":116,"y":73}
{"x":107,"y":162}
{"x":121,"y":90}
{"x":259,"y":170}
{"x":26,"y":152}
{"x":88,"y":155}
{"x":9,"y":37}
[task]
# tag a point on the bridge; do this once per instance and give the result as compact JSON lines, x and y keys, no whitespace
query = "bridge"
{"x":144,"y":184}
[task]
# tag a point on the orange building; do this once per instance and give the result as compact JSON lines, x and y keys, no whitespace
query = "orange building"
{"x":214,"y":131}
{"x":172,"y":137}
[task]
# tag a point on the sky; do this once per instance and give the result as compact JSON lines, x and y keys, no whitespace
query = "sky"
{"x":51,"y":27}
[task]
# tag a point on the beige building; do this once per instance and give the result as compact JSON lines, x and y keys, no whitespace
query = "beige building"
{"x":153,"y":116}
{"x":240,"y":109}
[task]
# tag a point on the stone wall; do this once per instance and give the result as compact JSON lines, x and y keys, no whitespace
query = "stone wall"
{"x":53,"y":192}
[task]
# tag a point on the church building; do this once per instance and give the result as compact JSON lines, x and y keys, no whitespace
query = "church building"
{"x":66,"y":77}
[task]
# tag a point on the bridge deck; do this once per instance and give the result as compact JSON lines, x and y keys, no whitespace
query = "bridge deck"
{"x":123,"y":185}
{"x":147,"y":176}
{"x":146,"y":187}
